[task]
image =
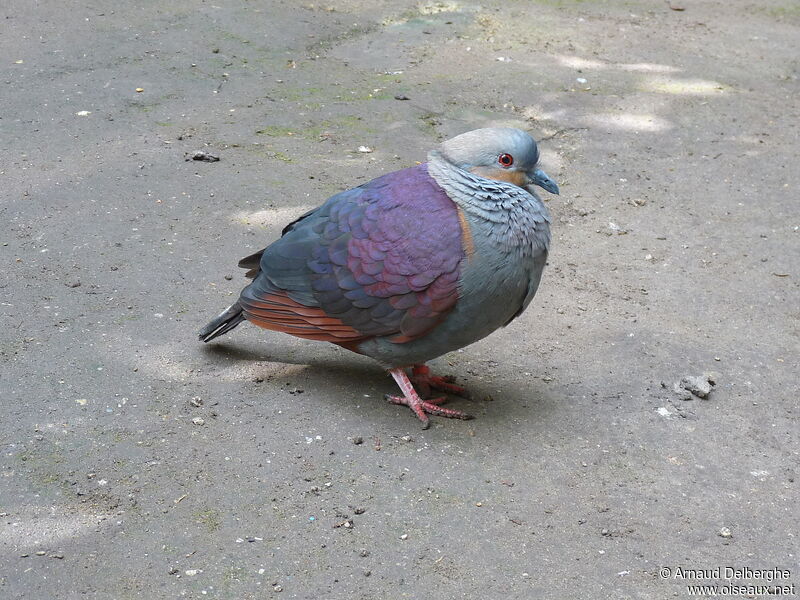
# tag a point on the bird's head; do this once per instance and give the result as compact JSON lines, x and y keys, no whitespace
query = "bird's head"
{"x":499,"y":153}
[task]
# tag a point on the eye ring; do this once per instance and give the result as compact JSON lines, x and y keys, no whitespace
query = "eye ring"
{"x":505,"y":160}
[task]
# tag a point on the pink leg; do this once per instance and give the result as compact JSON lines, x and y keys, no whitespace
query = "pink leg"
{"x":411,"y":399}
{"x":422,"y":378}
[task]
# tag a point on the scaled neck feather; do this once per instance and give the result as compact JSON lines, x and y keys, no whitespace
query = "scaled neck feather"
{"x":519,"y":218}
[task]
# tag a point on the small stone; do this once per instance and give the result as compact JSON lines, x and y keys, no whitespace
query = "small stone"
{"x":364,"y":149}
{"x":277,"y":588}
{"x":358,"y":440}
{"x":73,"y":283}
{"x":725,"y":532}
{"x":172,"y":570}
{"x":40,"y":553}
{"x":228,"y":277}
{"x":193,"y":572}
{"x":364,"y":553}
{"x":359,"y":510}
{"x":204,"y":156}
{"x":699,"y":385}
{"x":139,"y":90}
{"x":614,"y":229}
{"x":367,"y":573}
{"x":605,"y":532}
{"x":479,"y":504}
{"x":401,"y":97}
{"x":199,"y":421}
{"x":404,"y":536}
{"x":638,"y":201}
{"x":196,"y":401}
{"x":681,"y":392}
{"x":57,"y":555}
{"x":406,"y":438}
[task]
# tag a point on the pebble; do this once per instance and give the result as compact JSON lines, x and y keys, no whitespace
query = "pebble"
{"x":358,"y":440}
{"x":364,"y":149}
{"x":228,"y":277}
{"x":204,"y":156}
{"x":277,"y":588}
{"x":196,"y":401}
{"x":404,"y":536}
{"x":199,"y":421}
{"x":682,"y":393}
{"x":699,"y":385}
{"x":40,"y":553}
{"x":614,"y":229}
{"x":364,"y":553}
{"x":725,"y":532}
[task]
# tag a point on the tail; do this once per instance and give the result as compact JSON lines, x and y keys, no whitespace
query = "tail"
{"x":227,"y":320}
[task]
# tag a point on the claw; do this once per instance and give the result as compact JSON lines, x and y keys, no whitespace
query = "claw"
{"x":422,"y":408}
{"x":422,"y":378}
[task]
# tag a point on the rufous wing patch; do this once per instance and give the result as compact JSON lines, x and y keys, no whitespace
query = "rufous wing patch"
{"x":278,"y":312}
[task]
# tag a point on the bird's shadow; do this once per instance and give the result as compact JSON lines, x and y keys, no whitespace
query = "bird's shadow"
{"x":324,"y":367}
{"x":331,"y":370}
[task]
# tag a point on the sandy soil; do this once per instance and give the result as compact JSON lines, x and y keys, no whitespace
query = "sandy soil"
{"x":138,"y":463}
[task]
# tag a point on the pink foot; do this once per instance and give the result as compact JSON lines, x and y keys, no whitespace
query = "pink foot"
{"x":422,"y":378}
{"x":420,"y":407}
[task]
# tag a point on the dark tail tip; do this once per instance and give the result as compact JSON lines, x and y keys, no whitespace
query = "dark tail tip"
{"x":223,"y":323}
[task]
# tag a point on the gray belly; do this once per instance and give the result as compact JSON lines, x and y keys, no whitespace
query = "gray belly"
{"x":493,"y":290}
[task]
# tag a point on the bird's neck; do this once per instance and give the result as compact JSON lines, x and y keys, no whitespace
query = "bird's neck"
{"x":487,"y":198}
{"x":511,"y":216}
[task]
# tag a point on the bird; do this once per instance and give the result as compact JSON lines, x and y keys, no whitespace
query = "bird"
{"x":410,"y":265}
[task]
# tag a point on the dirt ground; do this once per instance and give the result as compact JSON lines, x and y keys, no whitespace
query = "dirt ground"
{"x":139,"y":463}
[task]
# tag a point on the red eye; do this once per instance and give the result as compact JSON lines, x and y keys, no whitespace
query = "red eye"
{"x":506,"y":160}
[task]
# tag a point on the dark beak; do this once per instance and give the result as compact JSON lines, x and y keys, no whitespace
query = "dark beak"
{"x":542,"y":179}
